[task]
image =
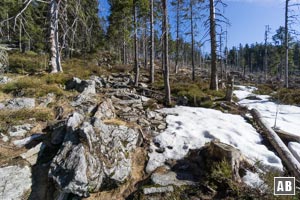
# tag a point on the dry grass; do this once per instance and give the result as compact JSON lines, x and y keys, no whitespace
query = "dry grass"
{"x":16,"y":117}
{"x":115,"y":121}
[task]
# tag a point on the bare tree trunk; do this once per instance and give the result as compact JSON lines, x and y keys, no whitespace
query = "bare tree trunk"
{"x":266,"y":53}
{"x":136,"y":66}
{"x":145,"y":44}
{"x":124,"y":60}
{"x":20,"y":35}
{"x":54,"y":43}
{"x":221,"y":58}
{"x":213,"y":43}
{"x":177,"y":37}
{"x":192,"y":35}
{"x":8,"y":31}
{"x":152,"y":43}
{"x":165,"y":53}
{"x":286,"y":44}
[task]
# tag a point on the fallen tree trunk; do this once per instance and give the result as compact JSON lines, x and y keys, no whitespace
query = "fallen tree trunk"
{"x":284,"y":153}
{"x":287,"y":136}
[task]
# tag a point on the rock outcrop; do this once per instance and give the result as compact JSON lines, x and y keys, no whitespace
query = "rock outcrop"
{"x":92,"y":155}
{"x":18,"y":103}
{"x":15,"y":182}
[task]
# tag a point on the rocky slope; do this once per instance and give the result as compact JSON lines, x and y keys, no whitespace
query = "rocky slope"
{"x":98,"y":147}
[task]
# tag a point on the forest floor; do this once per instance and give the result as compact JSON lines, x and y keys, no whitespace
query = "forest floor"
{"x":204,"y":118}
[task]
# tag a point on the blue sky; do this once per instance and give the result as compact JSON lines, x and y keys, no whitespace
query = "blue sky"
{"x":247,"y":18}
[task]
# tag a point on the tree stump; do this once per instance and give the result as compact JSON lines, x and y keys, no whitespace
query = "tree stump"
{"x":229,"y":88}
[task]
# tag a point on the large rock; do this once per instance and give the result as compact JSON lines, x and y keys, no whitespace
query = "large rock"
{"x":86,"y":86}
{"x":105,"y":110}
{"x":152,"y":190}
{"x":19,"y":103}
{"x":4,"y":79}
{"x":20,"y":130}
{"x":15,"y":182}
{"x":93,"y":155}
{"x":32,"y":154}
{"x":169,"y":178}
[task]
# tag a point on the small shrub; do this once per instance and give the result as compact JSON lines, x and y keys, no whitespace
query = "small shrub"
{"x":221,"y":171}
{"x":264,"y":90}
{"x":288,"y":96}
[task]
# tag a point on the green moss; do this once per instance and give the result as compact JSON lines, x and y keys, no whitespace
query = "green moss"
{"x":31,"y":87}
{"x":29,"y":62}
{"x":221,"y":171}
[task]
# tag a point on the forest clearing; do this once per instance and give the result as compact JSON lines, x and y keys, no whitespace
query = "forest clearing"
{"x":147,"y":99}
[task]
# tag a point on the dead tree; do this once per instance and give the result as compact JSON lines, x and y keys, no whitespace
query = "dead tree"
{"x":213,"y":46}
{"x":213,"y":23}
{"x":192,"y":37}
{"x":152,"y":54}
{"x":55,"y":61}
{"x":165,"y":33}
{"x":286,"y":44}
{"x":178,"y":2}
{"x":136,"y":66}
{"x":266,"y":52}
{"x":283,"y":152}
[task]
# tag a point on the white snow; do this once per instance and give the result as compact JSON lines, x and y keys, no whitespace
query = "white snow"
{"x":288,"y":118}
{"x":253,"y":180}
{"x":294,"y":147}
{"x":190,"y":128}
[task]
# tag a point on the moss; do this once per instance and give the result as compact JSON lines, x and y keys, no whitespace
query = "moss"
{"x":221,"y":170}
{"x":29,"y":62}
{"x":31,"y":87}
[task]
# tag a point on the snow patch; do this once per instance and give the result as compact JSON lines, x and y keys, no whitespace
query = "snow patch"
{"x":190,"y":128}
{"x":253,"y":180}
{"x":294,"y":147}
{"x":287,"y":118}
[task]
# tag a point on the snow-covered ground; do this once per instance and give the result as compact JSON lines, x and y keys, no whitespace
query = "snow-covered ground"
{"x":288,"y":118}
{"x":190,"y":128}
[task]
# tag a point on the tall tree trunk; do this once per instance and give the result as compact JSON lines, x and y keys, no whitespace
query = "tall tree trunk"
{"x":286,"y":45}
{"x":213,"y":44}
{"x":166,"y":54}
{"x":20,"y":35}
{"x":221,"y":58}
{"x":145,"y":44}
{"x":192,"y":35}
{"x":266,"y":53}
{"x":136,"y":66}
{"x":152,"y":43}
{"x":177,"y":37}
{"x":54,"y":43}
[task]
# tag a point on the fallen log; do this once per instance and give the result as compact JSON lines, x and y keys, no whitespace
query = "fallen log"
{"x":291,"y":163}
{"x":287,"y":136}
